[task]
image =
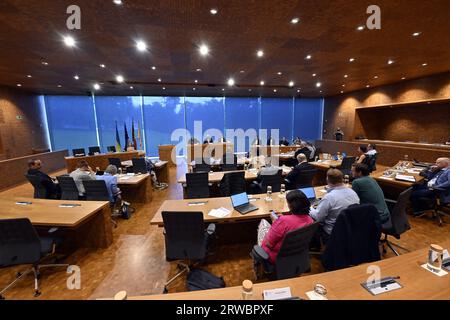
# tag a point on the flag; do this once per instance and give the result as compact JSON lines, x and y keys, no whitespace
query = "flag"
{"x":133,"y":135}
{"x":141,"y":147}
{"x":118,"y":146}
{"x":127,"y":137}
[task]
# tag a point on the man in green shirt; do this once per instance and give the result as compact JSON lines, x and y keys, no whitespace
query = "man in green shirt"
{"x":369,"y":191}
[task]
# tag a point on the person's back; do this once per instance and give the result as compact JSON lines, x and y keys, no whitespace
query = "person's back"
{"x":298,"y":169}
{"x":369,"y":192}
{"x":82,"y":173}
{"x":34,"y":169}
{"x":111,"y":185}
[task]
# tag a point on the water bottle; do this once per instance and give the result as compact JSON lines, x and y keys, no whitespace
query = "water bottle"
{"x":247,"y":290}
{"x":346,"y":179}
{"x":282,"y":191}
{"x":269,"y":193}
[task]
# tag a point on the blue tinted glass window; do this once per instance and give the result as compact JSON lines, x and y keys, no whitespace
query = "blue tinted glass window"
{"x":277,"y":114}
{"x":210,"y":111}
{"x":308,"y":119}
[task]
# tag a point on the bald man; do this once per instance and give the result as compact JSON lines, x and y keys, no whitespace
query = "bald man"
{"x":438,"y":177}
{"x":302,"y":166}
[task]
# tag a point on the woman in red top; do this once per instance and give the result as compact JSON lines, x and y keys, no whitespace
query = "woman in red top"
{"x":270,"y":237}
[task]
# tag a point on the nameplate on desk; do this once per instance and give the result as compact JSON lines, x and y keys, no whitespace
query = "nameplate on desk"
{"x":69,"y":205}
{"x":402,"y":177}
{"x":382,"y":286}
{"x":277,"y":294}
{"x":199,"y":203}
{"x":23,"y":203}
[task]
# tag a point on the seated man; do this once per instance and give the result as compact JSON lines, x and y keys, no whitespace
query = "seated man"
{"x":438,"y":176}
{"x":284,"y":142}
{"x":338,"y":198}
{"x":52,"y":188}
{"x":368,"y":190}
{"x":311,"y":148}
{"x":303,"y":165}
{"x":111,"y":184}
{"x":297,"y":141}
{"x":372,"y":149}
{"x":270,"y":237}
{"x":266,"y":170}
{"x":84,"y":172}
{"x":303,"y":149}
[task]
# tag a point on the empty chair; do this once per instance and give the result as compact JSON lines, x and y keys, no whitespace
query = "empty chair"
{"x":271,"y":180}
{"x":79,"y":152}
{"x":304,"y":179}
{"x":232,"y":183}
{"x":202,"y":167}
{"x":111,"y":149}
{"x":292,"y":259}
{"x":21,"y":245}
{"x":96,"y":190}
{"x":371,"y":162}
{"x":94,"y":150}
{"x":69,"y":190}
{"x":197,"y":185}
{"x":115,"y":162}
{"x":346,"y":166}
{"x":398,"y":222}
{"x":39,"y":190}
{"x":139,"y":165}
{"x":186,"y":239}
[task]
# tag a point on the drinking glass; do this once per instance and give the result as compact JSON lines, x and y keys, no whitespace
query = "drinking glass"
{"x":269,"y":193}
{"x":282,"y":191}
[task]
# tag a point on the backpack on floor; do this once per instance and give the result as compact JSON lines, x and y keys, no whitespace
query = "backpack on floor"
{"x":126,"y":210}
{"x":199,"y":279}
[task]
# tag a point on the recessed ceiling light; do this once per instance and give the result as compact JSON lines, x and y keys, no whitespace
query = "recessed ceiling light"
{"x":96,"y":86}
{"x":131,"y":87}
{"x":198,"y":70}
{"x":164,"y":88}
{"x":249,"y":90}
{"x":274,"y":90}
{"x":318,"y":84}
{"x":375,"y":77}
{"x":403,"y":78}
{"x":45,"y":63}
{"x":196,"y":81}
{"x":102,"y":66}
{"x":223,"y":89}
{"x":118,"y":2}
{"x":291,"y":83}
{"x":120,"y":79}
{"x":141,"y":45}
{"x":242,"y":71}
{"x":260,"y":53}
{"x":424,"y":64}
{"x":360,"y":28}
{"x":320,"y":91}
{"x":279,"y":73}
{"x":342,"y":91}
{"x":29,"y":76}
{"x":153,"y":68}
{"x":368,"y":86}
{"x":59,"y":86}
{"x":314,"y":74}
{"x":343,"y":85}
{"x":295,"y":20}
{"x":69,"y":41}
{"x":390,"y":61}
{"x":19,"y":85}
{"x":351,"y":59}
{"x":298,"y":90}
{"x":262,"y":83}
{"x":159,"y":80}
{"x":231,"y":82}
{"x":76,"y":77}
{"x":213,"y":11}
{"x":416,"y":34}
{"x":345,"y":75}
{"x":204,"y":50}
{"x":193,"y":89}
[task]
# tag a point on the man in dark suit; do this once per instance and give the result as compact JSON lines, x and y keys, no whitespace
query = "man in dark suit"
{"x":52,"y":188}
{"x":284,"y":142}
{"x":303,"y":165}
{"x":303,"y":149}
{"x":339,"y":134}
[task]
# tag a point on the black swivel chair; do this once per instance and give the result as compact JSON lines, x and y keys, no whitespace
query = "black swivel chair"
{"x":303,"y":180}
{"x":186,"y":239}
{"x":293,"y":257}
{"x":202,"y":167}
{"x":197,"y":185}
{"x":398,"y":222}
{"x":139,"y":165}
{"x":39,"y":189}
{"x":229,"y":162}
{"x":371,"y":162}
{"x":115,"y":162}
{"x":79,"y":152}
{"x":69,"y":190}
{"x":441,"y":207}
{"x":20,"y":244}
{"x":271,"y":180}
{"x":232,"y":183}
{"x":96,"y":190}
{"x":94,"y":150}
{"x":346,"y":165}
{"x":111,"y":149}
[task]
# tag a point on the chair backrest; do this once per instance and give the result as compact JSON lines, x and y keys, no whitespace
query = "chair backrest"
{"x":69,"y":190}
{"x":139,"y":165}
{"x":19,"y":243}
{"x":96,"y":190}
{"x":399,"y":218}
{"x":202,"y":167}
{"x":347,"y":163}
{"x":184,"y":235}
{"x":115,"y":162}
{"x":371,"y":162}
{"x":79,"y":152}
{"x":94,"y":150}
{"x":305,"y":178}
{"x":197,"y":185}
{"x":293,"y":257}
{"x":232,"y":183}
{"x":39,"y":190}
{"x":273,"y":180}
{"x":229,"y":167}
{"x":111,"y":149}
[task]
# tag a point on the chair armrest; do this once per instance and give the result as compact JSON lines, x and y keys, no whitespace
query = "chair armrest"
{"x":211,"y":229}
{"x":438,"y":189}
{"x":53,"y":230}
{"x":389,"y":201}
{"x":259,"y":253}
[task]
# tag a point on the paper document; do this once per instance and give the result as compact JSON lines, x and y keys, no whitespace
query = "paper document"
{"x":403,"y":177}
{"x":277,"y":294}
{"x":219,"y":213}
{"x":125,"y":178}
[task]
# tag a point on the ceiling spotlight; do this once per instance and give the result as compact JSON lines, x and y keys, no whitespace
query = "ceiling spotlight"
{"x":351,"y":59}
{"x":368,"y":86}
{"x":416,"y":34}
{"x":141,"y":45}
{"x":193,"y":89}
{"x":403,"y":78}
{"x":390,"y":61}
{"x":164,"y":88}
{"x":298,"y":90}
{"x":96,"y":86}
{"x":342,"y":91}
{"x":118,"y":2}
{"x":424,"y":64}
{"x":153,"y":68}
{"x":29,"y":76}
{"x":320,"y":91}
{"x":102,"y":66}
{"x":242,"y":71}
{"x":196,"y":81}
{"x":279,"y":73}
{"x":314,"y":74}
{"x":308,"y":57}
{"x":76,"y":77}
{"x":159,"y":80}
{"x":274,"y":90}
{"x":19,"y":85}
{"x":198,"y":70}
{"x":318,"y":84}
{"x":45,"y":63}
{"x":260,"y":53}
{"x":345,"y":75}
{"x":262,"y":83}
{"x":131,"y":87}
{"x":375,"y":77}
{"x":213,"y":11}
{"x":120,"y":79}
{"x":204,"y":50}
{"x":223,"y":89}
{"x":295,"y":20}
{"x":343,"y":85}
{"x":291,"y":84}
{"x":69,"y":41}
{"x":360,"y":28}
{"x":231,"y":82}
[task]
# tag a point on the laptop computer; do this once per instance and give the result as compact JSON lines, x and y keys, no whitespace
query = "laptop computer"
{"x":310,"y":193}
{"x":242,"y":204}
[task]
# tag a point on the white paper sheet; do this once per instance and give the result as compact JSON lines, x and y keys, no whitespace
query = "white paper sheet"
{"x":277,"y":294}
{"x":219,"y":213}
{"x":439,"y":274}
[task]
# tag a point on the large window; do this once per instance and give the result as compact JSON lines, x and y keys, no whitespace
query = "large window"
{"x":277,"y":114}
{"x":124,"y":111}
{"x":207,"y":111}
{"x":308,"y":115}
{"x":162,"y":116}
{"x":71,"y":122}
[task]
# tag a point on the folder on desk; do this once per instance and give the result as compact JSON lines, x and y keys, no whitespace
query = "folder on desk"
{"x":402,"y":177}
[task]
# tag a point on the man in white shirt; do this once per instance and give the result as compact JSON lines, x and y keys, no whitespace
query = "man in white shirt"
{"x":372,"y":149}
{"x":84,"y":172}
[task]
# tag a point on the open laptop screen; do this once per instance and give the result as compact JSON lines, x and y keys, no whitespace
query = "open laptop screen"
{"x":310,"y":193}
{"x":239,"y":199}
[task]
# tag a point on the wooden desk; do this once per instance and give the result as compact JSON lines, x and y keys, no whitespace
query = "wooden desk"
{"x":216,"y":177}
{"x":278,"y":204}
{"x":326,"y":164}
{"x":274,"y":149}
{"x":136,"y":188}
{"x":391,"y":181}
{"x":345,"y":284}
{"x":168,"y":153}
{"x":91,"y":221}
{"x":162,"y":171}
{"x":205,"y":151}
{"x":100,"y":160}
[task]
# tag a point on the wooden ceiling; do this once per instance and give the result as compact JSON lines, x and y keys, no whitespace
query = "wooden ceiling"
{"x":31,"y":32}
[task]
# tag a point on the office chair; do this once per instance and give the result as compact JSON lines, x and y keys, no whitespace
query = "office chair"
{"x":271,"y":180}
{"x":115,"y":162}
{"x":293,"y":257}
{"x":20,"y":244}
{"x":441,"y":207}
{"x":303,"y":180}
{"x":202,"y":167}
{"x":371,"y":162}
{"x":94,"y":150}
{"x":111,"y":149}
{"x":79,"y":152}
{"x":398,"y":222}
{"x":232,"y":183}
{"x":96,"y":190}
{"x":197,"y":185}
{"x":68,"y":187}
{"x":39,"y":190}
{"x":186,"y":239}
{"x":346,"y":166}
{"x":139,"y":165}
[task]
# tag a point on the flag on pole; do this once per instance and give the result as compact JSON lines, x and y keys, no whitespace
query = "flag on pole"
{"x":127,"y":137}
{"x":118,"y":146}
{"x":141,"y":147}
{"x":133,"y":134}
